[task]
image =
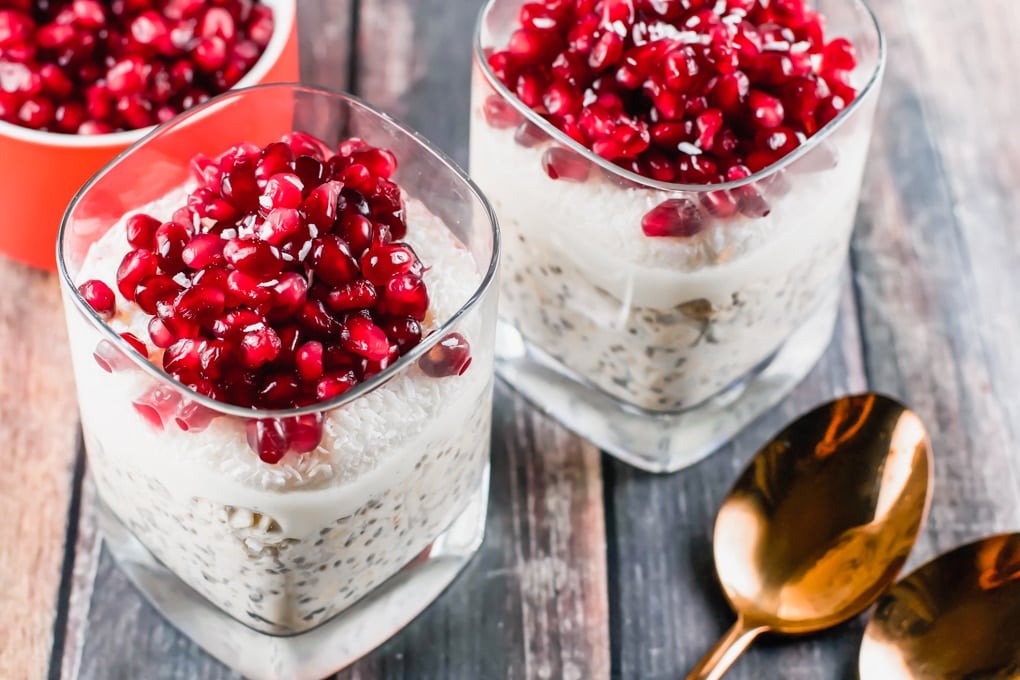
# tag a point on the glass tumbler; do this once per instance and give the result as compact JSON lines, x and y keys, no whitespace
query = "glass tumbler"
{"x":290,"y":571}
{"x":659,"y":350}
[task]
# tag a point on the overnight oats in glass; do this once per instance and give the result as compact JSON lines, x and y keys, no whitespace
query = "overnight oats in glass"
{"x":677,"y":184}
{"x":282,"y":310}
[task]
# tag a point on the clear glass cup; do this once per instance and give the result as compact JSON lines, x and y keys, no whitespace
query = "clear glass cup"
{"x":659,"y":350}
{"x":292,"y":570}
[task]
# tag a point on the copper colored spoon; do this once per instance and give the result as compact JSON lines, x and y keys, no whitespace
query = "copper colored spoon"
{"x":820,"y":522}
{"x":955,"y":618}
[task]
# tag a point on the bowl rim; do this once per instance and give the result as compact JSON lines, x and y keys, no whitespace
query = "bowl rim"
{"x":284,"y":14}
{"x":871,"y":87}
{"x":478,"y":296}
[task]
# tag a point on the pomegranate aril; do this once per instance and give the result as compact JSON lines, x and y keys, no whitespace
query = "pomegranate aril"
{"x":332,"y":261}
{"x":254,"y":257}
{"x":404,"y":332}
{"x":290,"y":294}
{"x":141,"y":231}
{"x":201,"y":304}
{"x":239,"y":185}
{"x":192,"y":416}
{"x":310,"y":170}
{"x":359,"y":294}
{"x":136,"y":265}
{"x":170,"y":240}
{"x":235,"y":322}
{"x":405,"y":295}
{"x":278,"y":390}
{"x":450,"y":356}
{"x":203,"y":250}
{"x":364,"y":338}
{"x":153,"y":289}
{"x":674,"y":217}
{"x":36,"y":112}
{"x":334,"y":385}
{"x":321,"y":208}
{"x":99,"y":297}
{"x":318,"y":321}
{"x":380,"y":162}
{"x":839,"y":55}
{"x":560,"y":163}
{"x":160,"y":334}
{"x":380,"y":263}
{"x":308,"y":361}
{"x":157,"y":405}
{"x":282,"y":190}
{"x":304,"y":433}
{"x":210,"y":54}
{"x":259,"y":346}
{"x":266,"y":437}
{"x":766,"y":111}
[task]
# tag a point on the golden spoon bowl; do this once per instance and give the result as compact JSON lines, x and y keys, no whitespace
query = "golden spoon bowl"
{"x":820,"y":522}
{"x":955,"y":618}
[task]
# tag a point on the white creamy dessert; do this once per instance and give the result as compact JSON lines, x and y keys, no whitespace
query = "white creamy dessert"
{"x":285,"y":547}
{"x":658,"y":323}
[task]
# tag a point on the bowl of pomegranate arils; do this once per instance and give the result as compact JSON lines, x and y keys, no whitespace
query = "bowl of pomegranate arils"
{"x":676,"y":181}
{"x":81,"y":80}
{"x":282,"y":308}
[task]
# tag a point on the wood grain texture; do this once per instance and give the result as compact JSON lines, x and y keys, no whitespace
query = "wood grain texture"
{"x":38,"y":425}
{"x":533,"y":604}
{"x":666,"y":606}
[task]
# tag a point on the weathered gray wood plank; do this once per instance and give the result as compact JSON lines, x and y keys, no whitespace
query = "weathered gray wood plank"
{"x":666,"y":606}
{"x":533,"y":603}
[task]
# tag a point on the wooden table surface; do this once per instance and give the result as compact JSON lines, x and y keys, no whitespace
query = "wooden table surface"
{"x":591,"y":570}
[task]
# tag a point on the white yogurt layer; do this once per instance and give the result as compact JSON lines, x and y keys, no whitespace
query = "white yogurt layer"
{"x":660,"y":323}
{"x":284,"y":547}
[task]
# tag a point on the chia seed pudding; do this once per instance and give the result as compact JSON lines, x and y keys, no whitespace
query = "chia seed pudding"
{"x":622,"y":261}
{"x":286,"y":542}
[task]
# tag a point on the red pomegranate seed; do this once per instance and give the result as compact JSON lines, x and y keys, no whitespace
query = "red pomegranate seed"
{"x":380,"y":162}
{"x":839,"y":55}
{"x":560,"y":163}
{"x":149,"y":29}
{"x":281,"y":226}
{"x":235,"y":322}
{"x":99,"y":297}
{"x":308,"y":361}
{"x":334,"y":385}
{"x":499,"y":113}
{"x":203,"y":250}
{"x":767,"y":111}
{"x":171,"y":238}
{"x":136,"y":344}
{"x":15,"y":28}
{"x":192,"y":416}
{"x":127,"y":76}
{"x":718,"y":204}
{"x":210,"y":54}
{"x":290,"y":293}
{"x":201,"y":303}
{"x":304,"y":433}
{"x":153,"y":289}
{"x":135,"y":266}
{"x":157,"y":406}
{"x":358,"y":231}
{"x":321,"y":206}
{"x":450,"y":356}
{"x":404,"y":332}
{"x":259,"y":346}
{"x":381,"y":263}
{"x":245,"y":289}
{"x":260,"y":25}
{"x":282,"y":190}
{"x":317,"y":320}
{"x":278,"y":390}
{"x":239,"y":185}
{"x":359,"y":294}
{"x":332,"y":261}
{"x":141,"y":231}
{"x":364,"y":338}
{"x":674,"y":217}
{"x":89,"y":14}
{"x":36,"y":112}
{"x":267,"y":438}
{"x":254,"y":257}
{"x":160,"y":334}
{"x":405,"y":295}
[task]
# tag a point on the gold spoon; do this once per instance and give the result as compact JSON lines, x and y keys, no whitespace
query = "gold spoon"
{"x":820,"y":522}
{"x":956,"y":617}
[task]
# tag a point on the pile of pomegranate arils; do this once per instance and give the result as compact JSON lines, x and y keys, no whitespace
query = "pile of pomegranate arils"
{"x":93,"y":67}
{"x":282,"y":283}
{"x":688,"y":91}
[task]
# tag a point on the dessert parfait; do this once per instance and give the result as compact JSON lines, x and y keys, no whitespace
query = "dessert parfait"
{"x":283,"y":356}
{"x":677,"y":183}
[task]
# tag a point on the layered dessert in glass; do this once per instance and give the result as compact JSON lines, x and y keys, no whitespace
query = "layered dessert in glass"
{"x":281,"y":321}
{"x":677,"y":183}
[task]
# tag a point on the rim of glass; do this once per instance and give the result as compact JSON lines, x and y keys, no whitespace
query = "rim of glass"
{"x":647,"y":182}
{"x":269,"y":57}
{"x":358,"y":390}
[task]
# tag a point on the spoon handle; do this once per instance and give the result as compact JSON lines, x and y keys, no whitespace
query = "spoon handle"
{"x":718,"y":660}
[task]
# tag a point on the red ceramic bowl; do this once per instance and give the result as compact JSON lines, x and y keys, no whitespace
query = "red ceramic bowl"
{"x":41,"y":171}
